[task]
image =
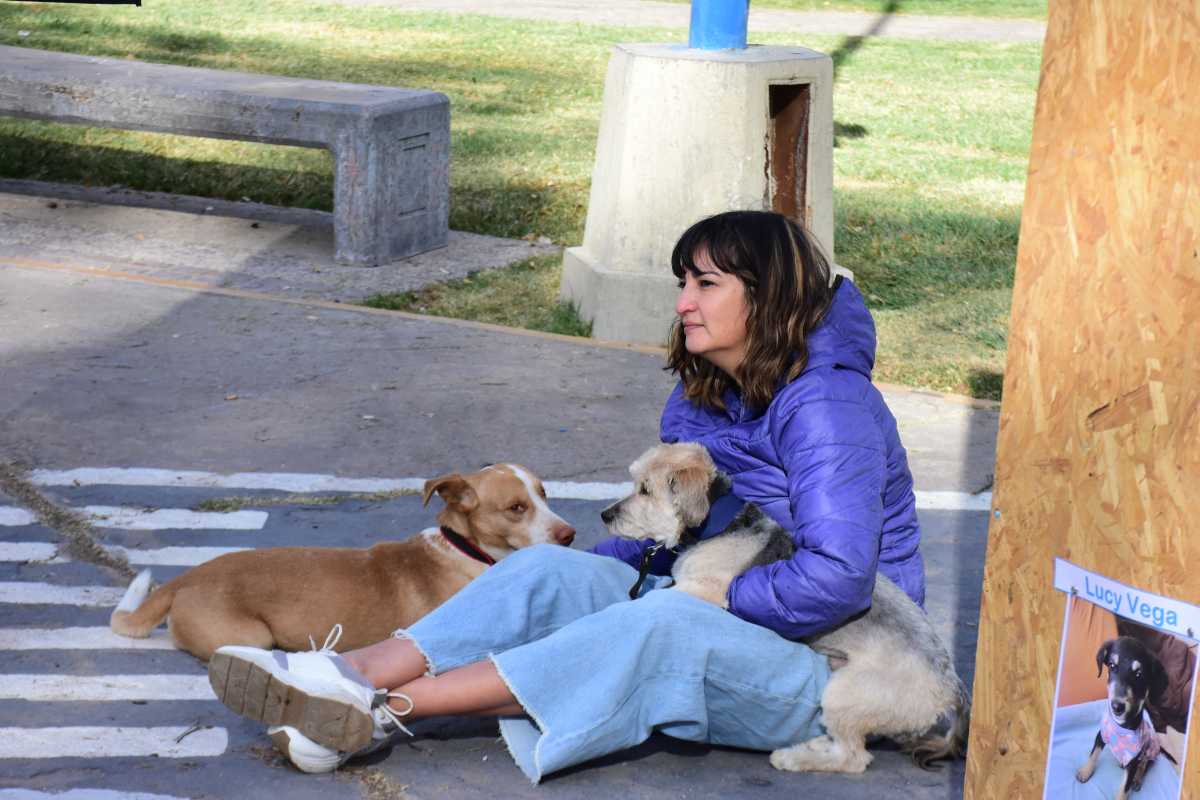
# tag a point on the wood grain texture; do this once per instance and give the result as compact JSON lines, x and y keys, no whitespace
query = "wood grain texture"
{"x":1099,"y":447}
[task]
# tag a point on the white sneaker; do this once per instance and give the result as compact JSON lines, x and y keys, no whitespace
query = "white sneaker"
{"x":317,"y":693}
{"x":308,"y":756}
{"x":303,"y":752}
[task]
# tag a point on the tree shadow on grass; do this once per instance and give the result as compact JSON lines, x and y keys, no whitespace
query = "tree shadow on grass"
{"x":177,"y":45}
{"x":986,"y":383}
{"x":104,"y":36}
{"x":849,"y":44}
{"x":845,"y":48}
{"x":847,"y":130}
{"x":496,"y":204}
{"x":30,"y":157}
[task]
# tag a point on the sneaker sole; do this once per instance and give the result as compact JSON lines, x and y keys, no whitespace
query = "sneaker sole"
{"x":311,"y":765}
{"x":254,"y":692}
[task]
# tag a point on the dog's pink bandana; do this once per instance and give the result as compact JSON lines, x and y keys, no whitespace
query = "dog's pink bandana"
{"x":1126,"y":743}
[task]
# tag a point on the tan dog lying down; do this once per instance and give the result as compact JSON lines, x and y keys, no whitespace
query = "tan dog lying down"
{"x":282,"y":596}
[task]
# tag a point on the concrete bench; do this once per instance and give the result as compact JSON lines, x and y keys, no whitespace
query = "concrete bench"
{"x":391,"y":147}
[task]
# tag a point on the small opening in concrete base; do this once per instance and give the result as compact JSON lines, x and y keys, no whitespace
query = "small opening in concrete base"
{"x":787,"y":150}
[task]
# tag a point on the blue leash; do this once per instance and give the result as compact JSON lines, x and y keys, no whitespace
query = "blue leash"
{"x":720,"y":514}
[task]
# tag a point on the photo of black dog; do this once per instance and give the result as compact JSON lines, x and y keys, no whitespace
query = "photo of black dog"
{"x":1136,"y":680}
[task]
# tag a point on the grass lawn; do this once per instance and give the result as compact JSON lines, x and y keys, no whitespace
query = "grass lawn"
{"x":1028,"y":9}
{"x":522,"y":296}
{"x":932,"y":140}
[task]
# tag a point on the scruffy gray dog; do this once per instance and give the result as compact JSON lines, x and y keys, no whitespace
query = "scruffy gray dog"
{"x":892,"y":676}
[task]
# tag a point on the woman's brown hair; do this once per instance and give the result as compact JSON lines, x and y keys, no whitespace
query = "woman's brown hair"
{"x":788,"y":291}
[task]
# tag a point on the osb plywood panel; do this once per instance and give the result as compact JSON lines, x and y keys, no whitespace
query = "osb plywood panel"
{"x":1099,"y":446}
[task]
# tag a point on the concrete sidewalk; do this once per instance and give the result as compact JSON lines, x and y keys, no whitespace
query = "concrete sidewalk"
{"x":650,"y":14}
{"x":191,"y":308}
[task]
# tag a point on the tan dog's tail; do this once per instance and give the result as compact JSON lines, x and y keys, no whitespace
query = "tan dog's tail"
{"x":136,"y":615}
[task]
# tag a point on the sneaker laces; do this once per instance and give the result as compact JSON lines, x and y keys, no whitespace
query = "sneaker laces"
{"x":381,"y":708}
{"x":384,"y":714}
{"x":331,"y":640}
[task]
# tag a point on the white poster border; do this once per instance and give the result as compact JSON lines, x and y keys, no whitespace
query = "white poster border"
{"x":1062,"y":652}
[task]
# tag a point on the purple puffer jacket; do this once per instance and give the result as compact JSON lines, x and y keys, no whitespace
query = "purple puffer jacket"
{"x":825,"y":461}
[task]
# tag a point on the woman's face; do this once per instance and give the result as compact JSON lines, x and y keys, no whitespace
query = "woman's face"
{"x":712,"y":308}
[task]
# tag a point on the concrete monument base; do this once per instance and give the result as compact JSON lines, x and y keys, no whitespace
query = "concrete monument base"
{"x":688,"y":133}
{"x":622,"y":306}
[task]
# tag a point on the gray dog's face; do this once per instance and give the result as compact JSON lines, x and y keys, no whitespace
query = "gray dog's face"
{"x":670,"y":494}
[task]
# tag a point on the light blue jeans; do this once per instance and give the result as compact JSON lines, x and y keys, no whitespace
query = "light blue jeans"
{"x":597,"y":672}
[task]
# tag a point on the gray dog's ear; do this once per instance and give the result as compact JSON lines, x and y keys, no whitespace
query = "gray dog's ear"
{"x":689,"y":487}
{"x":454,"y":491}
{"x":1102,"y":656}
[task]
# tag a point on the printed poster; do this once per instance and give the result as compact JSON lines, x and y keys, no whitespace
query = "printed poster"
{"x":1126,"y":679}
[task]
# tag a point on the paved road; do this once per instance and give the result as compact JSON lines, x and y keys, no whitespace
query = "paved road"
{"x":116,"y":368}
{"x":647,"y":14}
{"x":61,"y":672}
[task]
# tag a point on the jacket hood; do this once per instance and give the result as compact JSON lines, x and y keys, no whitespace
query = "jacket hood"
{"x":846,"y":336}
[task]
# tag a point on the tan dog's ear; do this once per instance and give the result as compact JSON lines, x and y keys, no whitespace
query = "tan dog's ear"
{"x":454,"y":491}
{"x":689,"y":488}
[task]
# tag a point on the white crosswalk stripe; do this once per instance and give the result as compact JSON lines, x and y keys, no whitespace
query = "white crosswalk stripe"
{"x":22,"y":552}
{"x":280,"y":481}
{"x":15,"y":516}
{"x":104,"y":688}
{"x":306,"y":483}
{"x":23,"y":593}
{"x":157,"y":519}
{"x":82,"y":794}
{"x":175,"y":556}
{"x":95,"y":638}
{"x":112,"y":742}
{"x":953,"y":501}
{"x":138,"y":519}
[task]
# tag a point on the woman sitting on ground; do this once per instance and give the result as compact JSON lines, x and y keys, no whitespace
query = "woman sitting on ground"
{"x":774,"y":361}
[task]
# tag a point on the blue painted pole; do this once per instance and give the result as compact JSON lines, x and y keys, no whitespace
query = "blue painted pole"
{"x":719,"y":24}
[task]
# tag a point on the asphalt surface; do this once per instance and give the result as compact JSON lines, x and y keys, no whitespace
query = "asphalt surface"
{"x":112,"y":368}
{"x":448,"y":758}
